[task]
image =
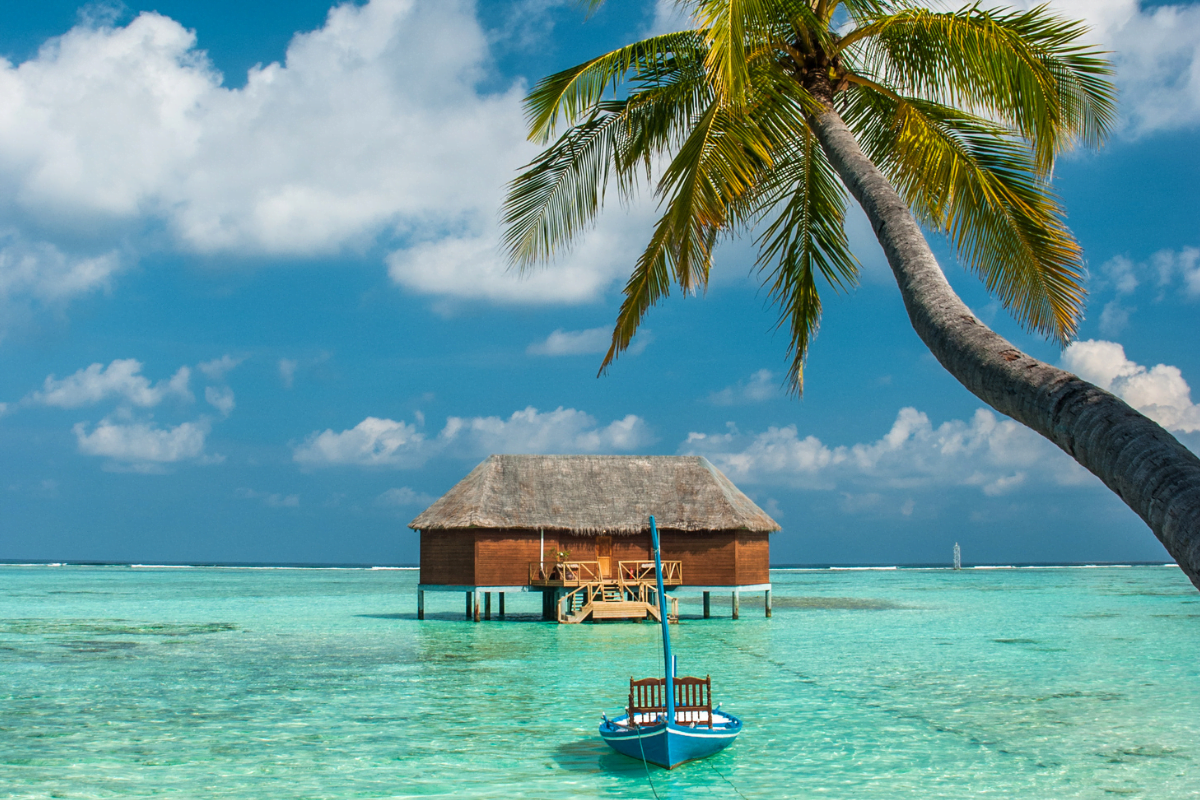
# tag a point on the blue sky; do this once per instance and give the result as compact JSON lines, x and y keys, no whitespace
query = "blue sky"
{"x":252,"y":308}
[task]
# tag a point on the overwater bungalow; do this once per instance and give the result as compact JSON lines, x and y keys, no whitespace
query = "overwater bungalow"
{"x":575,"y":529}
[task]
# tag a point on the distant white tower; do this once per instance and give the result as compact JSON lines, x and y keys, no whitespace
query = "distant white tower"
{"x":957,"y":556}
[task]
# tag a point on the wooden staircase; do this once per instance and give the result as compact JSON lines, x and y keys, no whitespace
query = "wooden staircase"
{"x":613,"y":599}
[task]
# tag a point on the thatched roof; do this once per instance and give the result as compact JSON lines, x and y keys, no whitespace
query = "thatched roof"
{"x":595,"y":494}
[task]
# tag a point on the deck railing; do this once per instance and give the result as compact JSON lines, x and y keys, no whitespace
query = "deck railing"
{"x":563,"y":573}
{"x":643,"y":572}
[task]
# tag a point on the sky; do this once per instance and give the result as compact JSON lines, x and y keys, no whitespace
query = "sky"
{"x":253,"y":309}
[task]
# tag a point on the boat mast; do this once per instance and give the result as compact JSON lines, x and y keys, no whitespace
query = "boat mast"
{"x":666,"y":630}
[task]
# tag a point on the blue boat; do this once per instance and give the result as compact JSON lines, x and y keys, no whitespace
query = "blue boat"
{"x":669,"y":728}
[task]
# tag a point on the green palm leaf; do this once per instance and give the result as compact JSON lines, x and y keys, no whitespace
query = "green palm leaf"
{"x":1024,"y":69}
{"x":963,"y":176}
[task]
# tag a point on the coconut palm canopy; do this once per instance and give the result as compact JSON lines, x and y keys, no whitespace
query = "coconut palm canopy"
{"x":594,"y":495}
{"x":769,"y":113}
{"x":963,"y":111}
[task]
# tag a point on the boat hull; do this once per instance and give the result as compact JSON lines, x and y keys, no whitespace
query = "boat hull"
{"x":669,"y":745}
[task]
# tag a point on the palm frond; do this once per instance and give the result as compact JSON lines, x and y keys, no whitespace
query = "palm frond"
{"x":963,"y":176}
{"x":575,"y":92}
{"x":806,"y":237}
{"x":715,"y":165}
{"x":560,"y":193}
{"x":1025,"y":69}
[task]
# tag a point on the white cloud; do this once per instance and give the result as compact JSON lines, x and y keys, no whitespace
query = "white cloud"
{"x":669,"y":17}
{"x":470,"y":265}
{"x":374,"y":128}
{"x":388,"y":443}
{"x":1159,"y":392}
{"x":1114,"y":318}
{"x":142,"y":442}
{"x":572,"y":343}
{"x":272,"y":500}
{"x":372,"y":442}
{"x":121,"y":379}
{"x":287,"y":372}
{"x":220,"y":399}
{"x":402,"y":497}
{"x":39,"y":275}
{"x":564,"y":430}
{"x":40,"y":270}
{"x":1157,"y":54}
{"x":993,"y":453}
{"x":591,"y":341}
{"x":762,"y":385}
{"x":218,"y":368}
{"x":1183,"y":264}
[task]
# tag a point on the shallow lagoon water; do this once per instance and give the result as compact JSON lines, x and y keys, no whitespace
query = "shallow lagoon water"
{"x":282,"y":683}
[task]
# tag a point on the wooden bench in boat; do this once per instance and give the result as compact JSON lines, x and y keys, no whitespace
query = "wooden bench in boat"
{"x":693,"y":700}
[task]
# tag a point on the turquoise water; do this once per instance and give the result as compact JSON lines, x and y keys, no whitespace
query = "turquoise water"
{"x":246,"y":683}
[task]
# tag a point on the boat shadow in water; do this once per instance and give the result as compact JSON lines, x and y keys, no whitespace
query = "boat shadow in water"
{"x":589,"y":755}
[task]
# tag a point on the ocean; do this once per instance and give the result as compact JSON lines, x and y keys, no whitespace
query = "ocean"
{"x":123,"y":682}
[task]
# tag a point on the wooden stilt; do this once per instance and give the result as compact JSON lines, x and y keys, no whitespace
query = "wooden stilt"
{"x":420,"y":604}
{"x":487,"y":605}
{"x":468,"y":606}
{"x":707,"y":605}
{"x":767,"y":601}
{"x":736,"y":598}
{"x":476,"y":596}
{"x":501,"y":605}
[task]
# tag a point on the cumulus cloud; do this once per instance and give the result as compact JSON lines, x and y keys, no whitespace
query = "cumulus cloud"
{"x":388,"y":443}
{"x":572,"y":343}
{"x":218,"y":368}
{"x":142,"y":443}
{"x":1156,"y":49}
{"x":995,"y":454}
{"x":1160,"y":392}
{"x":270,"y":499}
{"x":1181,"y":265}
{"x":564,"y":430}
{"x":220,"y":399}
{"x":372,"y":442}
{"x":375,"y":128}
{"x":121,"y":379}
{"x":402,"y":497}
{"x":287,"y":372}
{"x":41,"y":271}
{"x":591,"y":341}
{"x":762,"y":385}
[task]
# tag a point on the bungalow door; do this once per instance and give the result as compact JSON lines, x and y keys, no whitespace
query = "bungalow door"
{"x":604,"y":555}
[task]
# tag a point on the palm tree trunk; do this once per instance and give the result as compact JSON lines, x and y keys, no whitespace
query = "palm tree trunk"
{"x":1147,"y":467}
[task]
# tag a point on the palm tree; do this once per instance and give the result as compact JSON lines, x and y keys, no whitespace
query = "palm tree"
{"x":764,"y":116}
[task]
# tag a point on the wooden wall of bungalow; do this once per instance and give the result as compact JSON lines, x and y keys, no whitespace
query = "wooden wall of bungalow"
{"x":489,"y":557}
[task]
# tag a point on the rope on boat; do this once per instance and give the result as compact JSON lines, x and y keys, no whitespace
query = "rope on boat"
{"x":644,"y":762}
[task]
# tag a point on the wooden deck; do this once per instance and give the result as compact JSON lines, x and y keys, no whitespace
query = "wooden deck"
{"x":614,"y":599}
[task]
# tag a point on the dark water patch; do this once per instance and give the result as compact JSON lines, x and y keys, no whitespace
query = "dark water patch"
{"x":76,"y":591}
{"x":1125,"y":755}
{"x":97,"y":645}
{"x":1016,"y":641}
{"x":1094,"y":615}
{"x":838,"y":604}
{"x":111,"y":627}
{"x":1102,"y":697}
